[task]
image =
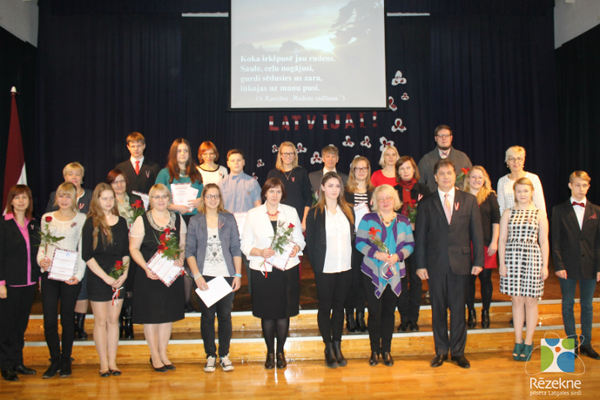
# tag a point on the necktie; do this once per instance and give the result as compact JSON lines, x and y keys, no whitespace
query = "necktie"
{"x":444,"y":154}
{"x":137,"y":167}
{"x":578,"y":204}
{"x":447,"y":208}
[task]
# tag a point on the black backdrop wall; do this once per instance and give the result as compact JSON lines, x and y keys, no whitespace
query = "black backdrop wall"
{"x":108,"y":68}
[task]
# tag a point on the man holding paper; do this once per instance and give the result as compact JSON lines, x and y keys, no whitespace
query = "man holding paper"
{"x":215,"y":259}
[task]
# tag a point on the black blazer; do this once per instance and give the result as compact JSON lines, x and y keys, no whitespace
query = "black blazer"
{"x":145,"y":180}
{"x":316,"y":239}
{"x":13,"y":252}
{"x":418,"y":189}
{"x":576,"y":250}
{"x":441,"y":248}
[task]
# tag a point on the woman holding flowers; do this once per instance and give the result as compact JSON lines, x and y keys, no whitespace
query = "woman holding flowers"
{"x":61,"y":230}
{"x":130,"y":207}
{"x":478,"y":184}
{"x":213,"y":249}
{"x":106,"y":253}
{"x":274,"y":228}
{"x":410,"y":192}
{"x":385,"y":237}
{"x":329,"y":239}
{"x":159,"y":233}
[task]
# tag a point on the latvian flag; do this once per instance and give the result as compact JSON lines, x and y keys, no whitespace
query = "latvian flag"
{"x":15,"y":157}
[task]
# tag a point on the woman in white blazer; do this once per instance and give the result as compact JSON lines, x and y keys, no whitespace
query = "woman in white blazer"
{"x":275,"y":290}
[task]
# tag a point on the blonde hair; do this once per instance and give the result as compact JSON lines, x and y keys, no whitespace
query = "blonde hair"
{"x":73,"y":166}
{"x":382,"y":158}
{"x":526,"y":182}
{"x":341,"y":200}
{"x":513,"y":150}
{"x":159,"y":187}
{"x":388,"y":190}
{"x":220,"y":207}
{"x":279,"y":163}
{"x":67,"y":188}
{"x":485,"y":190}
{"x":581,"y":175}
{"x":352,"y":185}
{"x":97,"y":215}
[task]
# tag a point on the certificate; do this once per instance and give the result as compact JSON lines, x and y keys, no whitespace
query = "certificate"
{"x":182,"y":193}
{"x":280,"y":261}
{"x":217,"y":289}
{"x":164,"y":268}
{"x":240,"y":219}
{"x":360,"y":210}
{"x":64,"y":265}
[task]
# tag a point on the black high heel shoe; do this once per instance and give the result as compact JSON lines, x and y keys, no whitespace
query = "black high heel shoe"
{"x":485,"y":319}
{"x":472,"y":322}
{"x":160,"y":369}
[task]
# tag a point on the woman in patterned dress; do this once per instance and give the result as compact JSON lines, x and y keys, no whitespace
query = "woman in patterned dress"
{"x":523,"y":250}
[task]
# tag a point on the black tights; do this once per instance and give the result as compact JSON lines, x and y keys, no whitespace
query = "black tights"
{"x":272,"y":327}
{"x":487,"y":289}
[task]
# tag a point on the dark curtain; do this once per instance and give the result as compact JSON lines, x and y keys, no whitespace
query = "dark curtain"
{"x":493,"y":82}
{"x":206,"y":59}
{"x":17,"y":68}
{"x":578,"y":64}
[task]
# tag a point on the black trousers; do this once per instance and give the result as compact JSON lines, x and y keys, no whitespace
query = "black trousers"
{"x":487,"y":289}
{"x":381,"y":316}
{"x":409,"y":301}
{"x":356,"y":299}
{"x":52,"y":292}
{"x":449,"y":292}
{"x":14,"y":316}
{"x":332,"y":290}
{"x":222,"y":309}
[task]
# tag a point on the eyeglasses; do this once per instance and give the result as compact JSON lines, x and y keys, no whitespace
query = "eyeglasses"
{"x":288,"y":154}
{"x":161,"y":197}
{"x":385,"y":199}
{"x":515,"y":159}
{"x":361,"y":169}
{"x":212,"y":196}
{"x":444,"y":136}
{"x":121,"y":182}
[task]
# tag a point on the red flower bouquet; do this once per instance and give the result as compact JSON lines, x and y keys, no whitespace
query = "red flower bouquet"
{"x":168,"y":245}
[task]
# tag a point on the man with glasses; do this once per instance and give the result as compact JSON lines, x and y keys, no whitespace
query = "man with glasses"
{"x":141,"y":174}
{"x":576,"y":254}
{"x":331,"y":156}
{"x":443,"y":150}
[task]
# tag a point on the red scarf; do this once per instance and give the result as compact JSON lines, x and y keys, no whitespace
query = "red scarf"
{"x":406,"y":188}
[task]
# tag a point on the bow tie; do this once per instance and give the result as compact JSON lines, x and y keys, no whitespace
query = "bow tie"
{"x":578,"y":204}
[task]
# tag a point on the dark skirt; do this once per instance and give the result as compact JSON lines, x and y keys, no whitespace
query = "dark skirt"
{"x":155,"y":303}
{"x":277,"y":295}
{"x":97,"y":289}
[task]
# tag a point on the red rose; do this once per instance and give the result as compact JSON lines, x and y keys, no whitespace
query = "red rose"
{"x":465,"y":170}
{"x":119,"y":263}
{"x":161,"y":247}
{"x":373,"y":231}
{"x":138,"y":204}
{"x":163,"y":237}
{"x":413,"y":202}
{"x":48,"y":219}
{"x":167,"y":231}
{"x":291,"y":226}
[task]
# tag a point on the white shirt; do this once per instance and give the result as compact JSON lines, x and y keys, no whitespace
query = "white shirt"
{"x":214,"y":261}
{"x":339,"y":249}
{"x":133,"y":160}
{"x":450,"y":198}
{"x":579,"y":211}
{"x":325,"y":170}
{"x":444,"y":151}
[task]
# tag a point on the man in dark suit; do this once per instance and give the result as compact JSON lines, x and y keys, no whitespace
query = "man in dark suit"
{"x":576,"y":253}
{"x":140,"y":173}
{"x":448,"y":222}
{"x":331,"y":156}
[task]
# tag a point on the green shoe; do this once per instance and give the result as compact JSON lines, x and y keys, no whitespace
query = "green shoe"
{"x":517,"y":351}
{"x":525,"y":354}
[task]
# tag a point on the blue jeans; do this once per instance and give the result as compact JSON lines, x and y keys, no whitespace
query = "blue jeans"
{"x":586,"y":291}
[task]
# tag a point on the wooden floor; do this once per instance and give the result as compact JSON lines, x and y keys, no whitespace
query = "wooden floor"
{"x":492,"y":376}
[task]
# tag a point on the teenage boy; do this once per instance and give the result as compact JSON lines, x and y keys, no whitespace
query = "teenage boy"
{"x":140,"y":173}
{"x":576,"y":254}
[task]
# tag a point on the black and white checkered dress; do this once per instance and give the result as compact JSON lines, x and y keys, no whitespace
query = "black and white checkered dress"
{"x":523,"y":257}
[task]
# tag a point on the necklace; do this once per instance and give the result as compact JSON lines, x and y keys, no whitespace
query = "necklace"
{"x":272,"y":215}
{"x":287,"y":176}
{"x":387,"y":223}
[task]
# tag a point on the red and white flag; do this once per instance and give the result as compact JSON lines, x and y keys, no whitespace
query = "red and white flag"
{"x":15,"y":157}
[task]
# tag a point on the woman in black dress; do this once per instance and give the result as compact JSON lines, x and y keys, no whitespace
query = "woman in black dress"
{"x":18,"y":278}
{"x":410,"y":192}
{"x":104,"y":243}
{"x":358,"y":194}
{"x":154,"y":304}
{"x":294,"y":178}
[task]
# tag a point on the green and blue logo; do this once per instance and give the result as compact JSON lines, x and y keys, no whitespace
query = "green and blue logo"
{"x":558,"y":355}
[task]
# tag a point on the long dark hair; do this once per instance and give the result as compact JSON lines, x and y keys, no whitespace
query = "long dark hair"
{"x":191,"y":169}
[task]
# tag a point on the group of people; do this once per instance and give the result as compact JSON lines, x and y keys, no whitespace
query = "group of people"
{"x":371,"y":238}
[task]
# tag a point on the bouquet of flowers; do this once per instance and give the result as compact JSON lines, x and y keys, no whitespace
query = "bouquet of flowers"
{"x":168,"y":245}
{"x":386,"y":271}
{"x":116,"y":273}
{"x":47,"y":237}
{"x":282,"y":237}
{"x":409,"y":210}
{"x":463,"y":174}
{"x":137,"y":210}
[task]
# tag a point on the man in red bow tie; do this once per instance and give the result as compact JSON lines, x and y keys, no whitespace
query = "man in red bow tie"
{"x":576,"y":254}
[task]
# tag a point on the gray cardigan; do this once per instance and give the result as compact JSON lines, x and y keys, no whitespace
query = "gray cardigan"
{"x":197,"y":237}
{"x":426,"y":164}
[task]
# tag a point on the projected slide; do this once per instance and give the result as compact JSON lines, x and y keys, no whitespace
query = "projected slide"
{"x":307,"y":54}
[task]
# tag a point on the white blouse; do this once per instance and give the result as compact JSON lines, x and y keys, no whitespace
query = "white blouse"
{"x":339,"y":248}
{"x":506,"y":194}
{"x":213,"y":176}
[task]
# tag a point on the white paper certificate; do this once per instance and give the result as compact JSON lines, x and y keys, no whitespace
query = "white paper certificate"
{"x":166,"y":269}
{"x":360,"y":210}
{"x":240,"y":219}
{"x":217,"y":289}
{"x":64,"y":265}
{"x":280,"y":261}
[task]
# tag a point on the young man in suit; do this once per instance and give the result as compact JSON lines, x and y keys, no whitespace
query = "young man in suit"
{"x":576,"y":254}
{"x":141,"y":173}
{"x":331,"y":155}
{"x":448,"y":222}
